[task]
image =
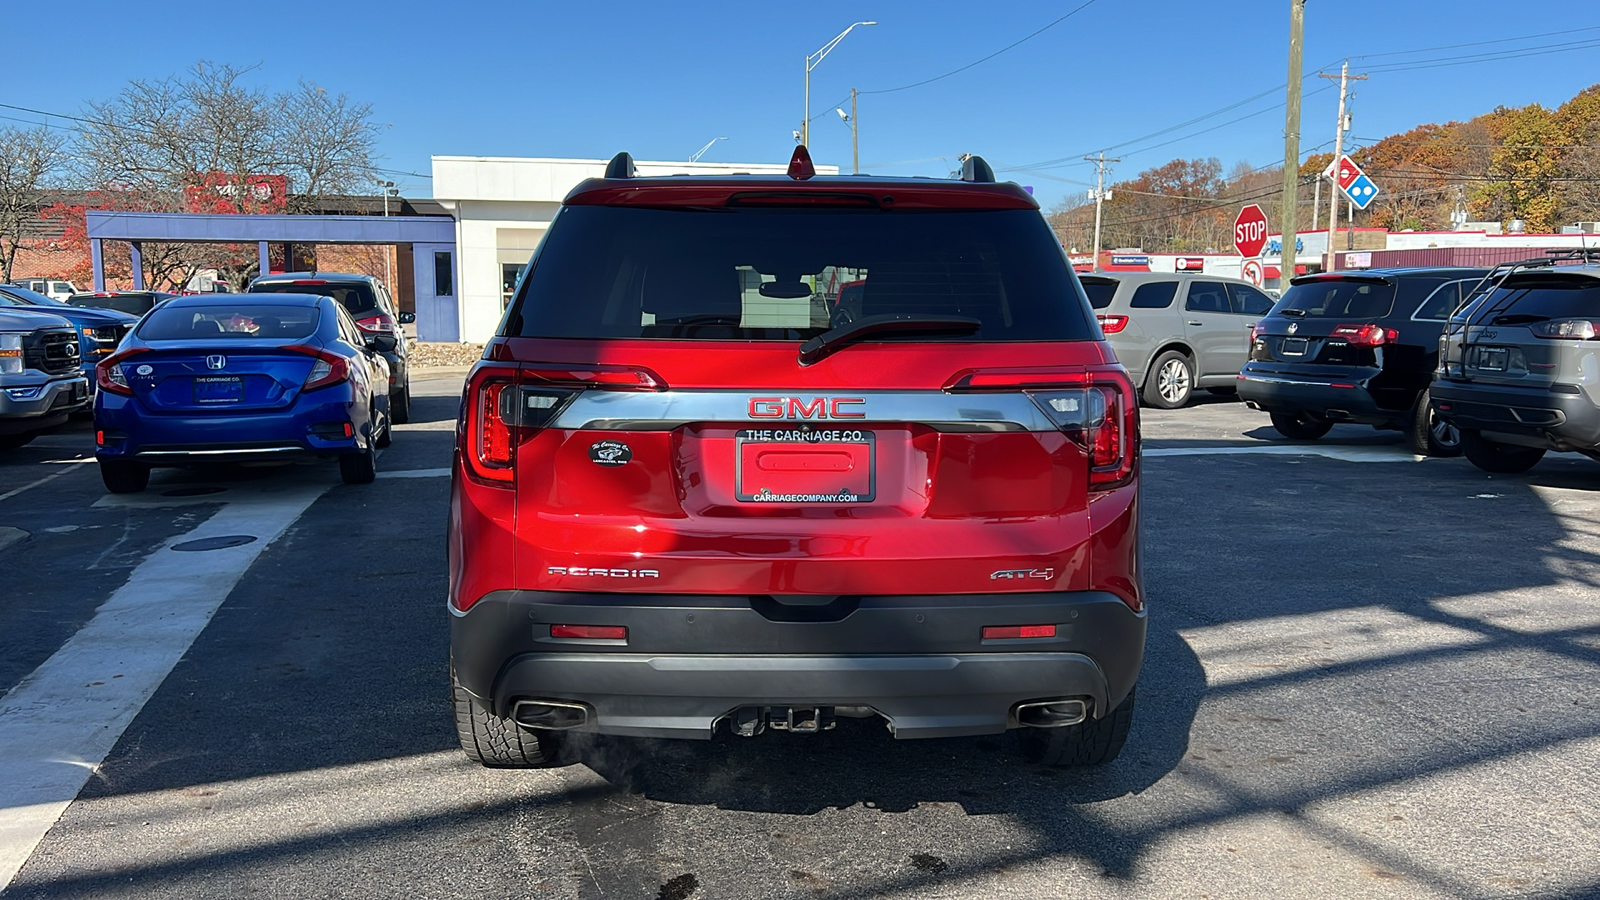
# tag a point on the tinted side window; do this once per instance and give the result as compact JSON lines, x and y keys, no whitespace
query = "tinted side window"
{"x":1441,"y":303}
{"x":1155,"y":295}
{"x":1206,"y":296}
{"x":1410,"y":292}
{"x":1248,"y":301}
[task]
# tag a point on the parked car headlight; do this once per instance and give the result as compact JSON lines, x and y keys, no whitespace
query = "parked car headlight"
{"x":11,"y":354}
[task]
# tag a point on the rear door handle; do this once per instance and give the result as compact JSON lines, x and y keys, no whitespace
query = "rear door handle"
{"x":1194,"y":323}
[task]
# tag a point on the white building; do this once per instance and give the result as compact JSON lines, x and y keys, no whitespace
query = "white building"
{"x":502,"y":206}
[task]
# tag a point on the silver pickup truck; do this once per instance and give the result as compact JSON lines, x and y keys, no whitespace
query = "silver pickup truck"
{"x":40,"y":382}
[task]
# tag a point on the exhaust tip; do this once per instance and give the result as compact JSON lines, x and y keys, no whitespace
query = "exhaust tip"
{"x":551,"y":715}
{"x":1052,"y":713}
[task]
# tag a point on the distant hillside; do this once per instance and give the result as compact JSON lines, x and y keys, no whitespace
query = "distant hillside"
{"x":1530,"y":163}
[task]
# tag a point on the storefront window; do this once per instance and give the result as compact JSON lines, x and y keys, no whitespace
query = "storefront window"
{"x":510,"y":274}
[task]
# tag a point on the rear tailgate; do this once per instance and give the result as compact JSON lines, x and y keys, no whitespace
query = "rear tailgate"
{"x":804,"y":486}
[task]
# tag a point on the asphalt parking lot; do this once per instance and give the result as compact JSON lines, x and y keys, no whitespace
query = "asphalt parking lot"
{"x":1368,"y":675}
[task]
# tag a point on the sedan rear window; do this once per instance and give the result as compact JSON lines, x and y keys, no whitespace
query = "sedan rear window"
{"x":168,"y":323}
{"x":791,"y":274}
{"x":1340,"y":298}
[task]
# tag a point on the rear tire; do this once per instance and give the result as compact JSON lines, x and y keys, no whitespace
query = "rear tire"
{"x":1429,"y":434}
{"x":1300,"y":425}
{"x":385,"y":437}
{"x":358,"y":468}
{"x":1170,"y":384}
{"x":400,"y":406}
{"x":496,"y":742}
{"x":1499,"y":459}
{"x":122,"y":476}
{"x":1089,"y":743}
{"x":15,"y":441}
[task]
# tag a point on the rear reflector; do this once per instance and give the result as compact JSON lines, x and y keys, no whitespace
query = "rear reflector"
{"x":1012,"y":632}
{"x":599,"y":632}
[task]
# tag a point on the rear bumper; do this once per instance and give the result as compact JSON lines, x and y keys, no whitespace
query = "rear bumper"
{"x":691,"y":661}
{"x":32,"y":404}
{"x":1343,"y":399}
{"x":1532,"y":416}
{"x":172,"y":439}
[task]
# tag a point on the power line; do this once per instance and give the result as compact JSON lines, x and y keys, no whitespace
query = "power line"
{"x":1443,"y":62}
{"x":906,"y":87}
{"x":1526,"y":37}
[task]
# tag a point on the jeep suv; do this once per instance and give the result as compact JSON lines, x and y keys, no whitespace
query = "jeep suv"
{"x":691,"y":495}
{"x":1359,"y":347}
{"x":1519,"y":367}
{"x":40,"y":380}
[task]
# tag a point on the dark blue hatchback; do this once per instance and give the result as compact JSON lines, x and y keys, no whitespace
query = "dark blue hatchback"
{"x":206,"y":379}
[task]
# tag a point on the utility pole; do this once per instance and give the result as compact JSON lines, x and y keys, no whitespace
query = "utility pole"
{"x":855,"y":134}
{"x":1291,"y":145}
{"x":1100,"y":195}
{"x":1342,"y":126}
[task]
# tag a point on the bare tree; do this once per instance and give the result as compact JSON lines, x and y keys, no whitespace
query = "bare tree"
{"x":29,"y":158}
{"x":206,"y":141}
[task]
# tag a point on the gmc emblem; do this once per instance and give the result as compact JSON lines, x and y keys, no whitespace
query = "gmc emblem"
{"x":797,"y":408}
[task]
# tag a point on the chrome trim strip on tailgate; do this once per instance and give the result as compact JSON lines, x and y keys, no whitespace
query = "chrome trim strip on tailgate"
{"x":666,"y":410}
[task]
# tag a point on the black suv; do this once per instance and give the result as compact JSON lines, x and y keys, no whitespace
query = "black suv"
{"x":1357,"y":347}
{"x":369,"y":303}
{"x":1519,"y":370}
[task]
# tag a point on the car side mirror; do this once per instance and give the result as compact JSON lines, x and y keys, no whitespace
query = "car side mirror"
{"x":383,"y":343}
{"x":406,"y":318}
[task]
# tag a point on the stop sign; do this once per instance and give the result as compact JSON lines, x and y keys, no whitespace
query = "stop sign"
{"x":1250,"y":231}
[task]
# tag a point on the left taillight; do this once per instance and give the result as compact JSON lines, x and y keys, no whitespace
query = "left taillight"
{"x":108,"y":373}
{"x":1112,"y":324}
{"x":498,"y":413}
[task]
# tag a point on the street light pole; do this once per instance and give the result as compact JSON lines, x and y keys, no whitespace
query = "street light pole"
{"x":812,"y":61}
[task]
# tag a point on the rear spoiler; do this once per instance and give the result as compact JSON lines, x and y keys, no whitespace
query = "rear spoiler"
{"x":1362,"y":277}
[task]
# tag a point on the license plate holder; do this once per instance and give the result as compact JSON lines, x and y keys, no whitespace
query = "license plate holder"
{"x":218,"y":389}
{"x":806,"y":465}
{"x":1492,"y":359}
{"x":1295,"y":346}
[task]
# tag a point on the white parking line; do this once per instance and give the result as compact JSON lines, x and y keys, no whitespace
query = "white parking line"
{"x":46,"y":479}
{"x":416,"y":473}
{"x":1344,"y":454}
{"x":58,"y":724}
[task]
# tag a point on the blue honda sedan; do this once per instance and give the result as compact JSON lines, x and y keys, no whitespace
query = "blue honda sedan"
{"x":207,"y":379}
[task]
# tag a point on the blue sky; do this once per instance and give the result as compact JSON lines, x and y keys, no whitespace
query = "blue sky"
{"x":660,"y":80}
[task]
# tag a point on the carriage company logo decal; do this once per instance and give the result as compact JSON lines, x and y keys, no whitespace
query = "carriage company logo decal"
{"x":610,"y":453}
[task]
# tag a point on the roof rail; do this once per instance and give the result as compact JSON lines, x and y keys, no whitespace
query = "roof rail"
{"x":621,"y":166}
{"x":975,"y":170}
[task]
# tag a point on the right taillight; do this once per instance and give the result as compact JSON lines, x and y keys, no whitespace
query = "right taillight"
{"x":1566,"y":330}
{"x":1104,"y":419}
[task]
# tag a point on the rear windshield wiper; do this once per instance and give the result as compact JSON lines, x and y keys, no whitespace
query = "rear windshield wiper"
{"x":1297,"y":313}
{"x":1518,"y":319}
{"x":876,"y":326}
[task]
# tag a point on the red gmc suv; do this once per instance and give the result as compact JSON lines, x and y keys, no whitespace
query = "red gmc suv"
{"x":691,"y":494}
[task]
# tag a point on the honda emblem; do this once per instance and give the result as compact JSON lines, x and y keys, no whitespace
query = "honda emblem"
{"x":216,"y":361}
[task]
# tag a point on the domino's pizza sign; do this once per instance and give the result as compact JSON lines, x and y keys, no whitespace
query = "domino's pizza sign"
{"x":1362,"y":191}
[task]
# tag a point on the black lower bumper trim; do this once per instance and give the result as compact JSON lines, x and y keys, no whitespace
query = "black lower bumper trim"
{"x":689,"y":661}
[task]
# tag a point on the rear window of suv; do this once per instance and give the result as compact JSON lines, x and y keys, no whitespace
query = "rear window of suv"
{"x":1546,"y":298}
{"x":355,"y":296}
{"x":1100,"y":291}
{"x":791,"y":274}
{"x":1340,"y":298}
